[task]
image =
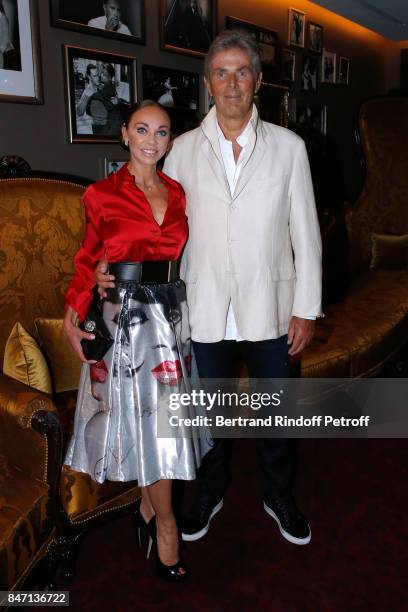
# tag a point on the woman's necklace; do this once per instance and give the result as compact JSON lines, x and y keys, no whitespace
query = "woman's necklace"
{"x":141,"y":185}
{"x":144,"y":187}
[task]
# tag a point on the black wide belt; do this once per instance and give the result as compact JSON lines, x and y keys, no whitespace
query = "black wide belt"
{"x":145,"y":272}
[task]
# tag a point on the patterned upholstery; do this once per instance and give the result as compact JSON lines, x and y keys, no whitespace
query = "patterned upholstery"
{"x":382,"y":207}
{"x":361,"y":333}
{"x":41,"y":229}
{"x":23,"y":511}
{"x":25,"y":524}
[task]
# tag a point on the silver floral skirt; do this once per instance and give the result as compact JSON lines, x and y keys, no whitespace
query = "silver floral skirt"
{"x":121,"y":429}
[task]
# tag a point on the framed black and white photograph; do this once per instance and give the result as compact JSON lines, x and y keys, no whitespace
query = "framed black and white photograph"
{"x":20,"y":61}
{"x":113,"y":165}
{"x":309,"y":75}
{"x":288,"y":65}
{"x":120,"y":19}
{"x":311,"y":117}
{"x":272,"y":102}
{"x":100,"y":88}
{"x":296,"y":28}
{"x":188,"y":26}
{"x":343,"y":71}
{"x":171,"y":88}
{"x":315,"y":37}
{"x":328,"y":74}
{"x":267,"y":41}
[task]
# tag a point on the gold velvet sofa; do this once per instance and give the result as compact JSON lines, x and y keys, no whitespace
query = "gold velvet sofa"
{"x":368,"y":329}
{"x":44,"y":506}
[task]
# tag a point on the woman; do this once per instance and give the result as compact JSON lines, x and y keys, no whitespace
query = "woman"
{"x":167,"y":99}
{"x":5,"y":38}
{"x":136,"y":215}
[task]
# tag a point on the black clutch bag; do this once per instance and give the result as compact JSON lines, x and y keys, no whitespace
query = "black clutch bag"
{"x":94,"y":324}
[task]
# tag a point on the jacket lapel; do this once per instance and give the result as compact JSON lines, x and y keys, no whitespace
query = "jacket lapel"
{"x":253,"y":154}
{"x":212,"y":151}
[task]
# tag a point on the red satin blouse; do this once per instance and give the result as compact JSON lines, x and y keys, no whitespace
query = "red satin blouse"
{"x":120,"y":226}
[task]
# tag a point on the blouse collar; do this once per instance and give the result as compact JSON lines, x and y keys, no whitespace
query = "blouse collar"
{"x":124,"y":175}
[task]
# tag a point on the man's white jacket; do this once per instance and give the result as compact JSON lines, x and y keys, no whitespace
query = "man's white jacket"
{"x":259,"y":249}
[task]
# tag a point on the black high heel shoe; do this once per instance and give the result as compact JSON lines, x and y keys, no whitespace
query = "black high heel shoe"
{"x":170,"y":573}
{"x":148,"y":529}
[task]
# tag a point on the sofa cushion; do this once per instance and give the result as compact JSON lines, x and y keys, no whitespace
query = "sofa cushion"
{"x":24,"y":361}
{"x":389,"y":251}
{"x":365,"y":329}
{"x":80,"y":495}
{"x":63,"y":362}
{"x":23,"y":521}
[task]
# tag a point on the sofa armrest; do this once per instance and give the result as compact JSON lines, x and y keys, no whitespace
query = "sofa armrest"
{"x":30,"y":434}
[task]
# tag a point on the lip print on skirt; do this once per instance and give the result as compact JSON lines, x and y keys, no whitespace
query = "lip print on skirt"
{"x":123,"y":400}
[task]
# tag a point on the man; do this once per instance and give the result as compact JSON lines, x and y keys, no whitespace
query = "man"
{"x":111,"y":19}
{"x":250,"y":204}
{"x":92,"y":85}
{"x":104,"y":106}
{"x":195,"y":32}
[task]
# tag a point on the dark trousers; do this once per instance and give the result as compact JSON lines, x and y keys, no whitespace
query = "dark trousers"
{"x":265,"y":359}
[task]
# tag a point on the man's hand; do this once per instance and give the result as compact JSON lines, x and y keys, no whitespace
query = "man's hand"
{"x":112,"y":23}
{"x":75,"y":335}
{"x":300,"y":334}
{"x":102,"y":279}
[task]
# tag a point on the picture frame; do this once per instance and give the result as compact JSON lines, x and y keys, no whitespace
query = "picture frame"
{"x":288,"y":65}
{"x":272,"y":102}
{"x":328,"y":69}
{"x":343,"y":72}
{"x":296,"y":28}
{"x":311,"y":116}
{"x":92,"y":17}
{"x":267,"y":41}
{"x":315,"y":37}
{"x":310,"y":74}
{"x":100,"y":87}
{"x":292,"y":109}
{"x":187,"y":27}
{"x":113,"y":165}
{"x":20,"y":61}
{"x":208,"y":101}
{"x":171,"y":88}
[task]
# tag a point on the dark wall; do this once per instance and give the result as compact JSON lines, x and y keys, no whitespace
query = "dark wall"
{"x":39,"y":133}
{"x":374,"y":69}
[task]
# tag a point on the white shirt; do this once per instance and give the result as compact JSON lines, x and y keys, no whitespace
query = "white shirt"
{"x":232,"y":170}
{"x":100,"y":22}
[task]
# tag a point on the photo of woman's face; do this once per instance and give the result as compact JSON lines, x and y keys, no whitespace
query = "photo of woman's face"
{"x":149,"y":354}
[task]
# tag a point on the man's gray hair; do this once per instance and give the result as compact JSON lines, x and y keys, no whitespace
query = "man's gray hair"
{"x":234,"y":39}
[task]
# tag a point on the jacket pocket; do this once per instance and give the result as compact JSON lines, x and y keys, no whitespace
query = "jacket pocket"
{"x":282,"y":275}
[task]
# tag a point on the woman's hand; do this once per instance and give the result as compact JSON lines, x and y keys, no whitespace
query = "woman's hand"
{"x":102,"y":279}
{"x":75,"y":334}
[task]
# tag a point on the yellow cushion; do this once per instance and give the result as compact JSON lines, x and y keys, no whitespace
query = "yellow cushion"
{"x":64,"y":364}
{"x":24,"y":361}
{"x":389,"y":251}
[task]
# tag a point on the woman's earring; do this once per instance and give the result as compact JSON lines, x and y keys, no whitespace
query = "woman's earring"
{"x":126,"y":142}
